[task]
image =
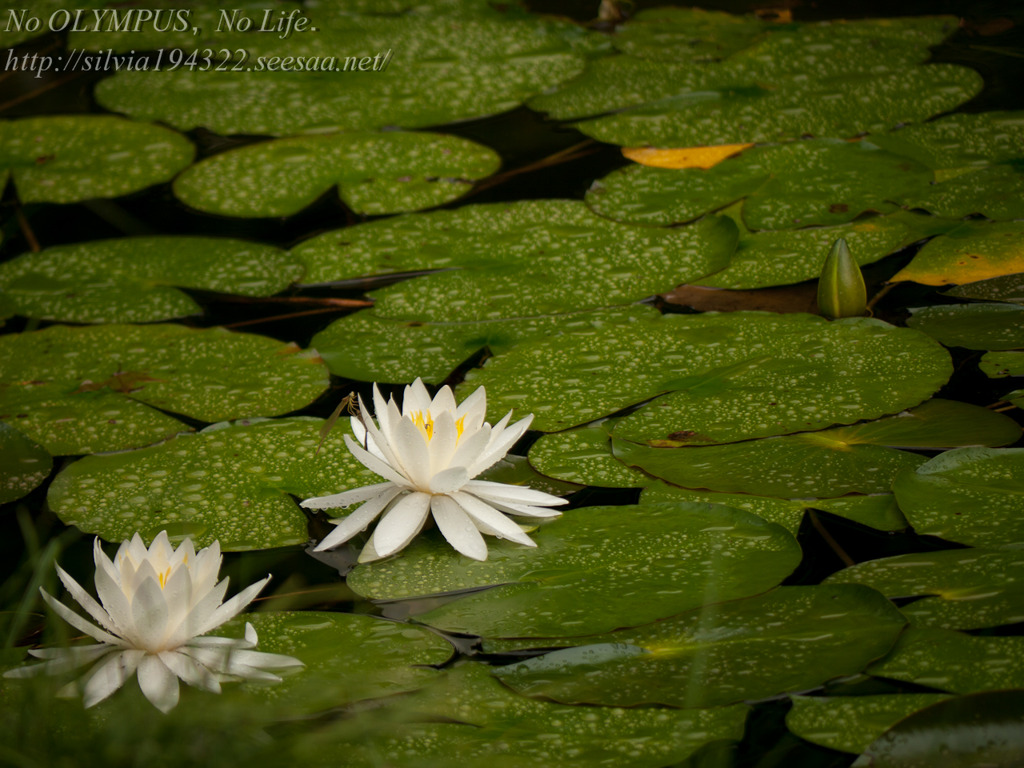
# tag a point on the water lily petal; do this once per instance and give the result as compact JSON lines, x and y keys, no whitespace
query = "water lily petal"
{"x":190,"y":671}
{"x":86,"y":600}
{"x":347,"y":498}
{"x":491,"y":521}
{"x":158,"y":683}
{"x":375,"y":464}
{"x":109,"y":675}
{"x":415,"y":399}
{"x":401,"y":524}
{"x":449,"y":481}
{"x":500,"y":444}
{"x":473,"y":410}
{"x":458,"y":528}
{"x":200,"y":616}
{"x":61,"y":660}
{"x":518,"y":494}
{"x":360,"y":519}
{"x":443,"y":442}
{"x":471,"y":447}
{"x":414,"y":453}
{"x":78,"y":622}
{"x":443,"y":402}
{"x":234,"y":606}
{"x":149,"y":612}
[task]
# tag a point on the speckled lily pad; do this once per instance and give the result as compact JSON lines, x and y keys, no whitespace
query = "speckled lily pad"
{"x":959,"y":588}
{"x":974,"y":326}
{"x":728,"y":376}
{"x":589,"y":568}
{"x":69,"y":159}
{"x":790,"y":639}
{"x":234,"y":484}
{"x":375,"y":173}
{"x":23,"y":464}
{"x":136,"y":279}
{"x":107,"y":388}
{"x":972,"y":252}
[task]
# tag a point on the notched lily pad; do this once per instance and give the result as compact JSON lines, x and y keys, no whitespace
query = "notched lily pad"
{"x":470,"y":718}
{"x":1007,"y":288}
{"x":594,"y":569}
{"x":67,"y":159}
{"x":107,"y":388}
{"x":375,"y":173}
{"x":790,"y":639}
{"x":959,"y":588}
{"x":999,"y":365}
{"x":233,"y":483}
{"x":727,"y":376}
{"x":972,"y":252}
{"x":348,"y":658}
{"x":970,"y":495}
{"x":423,"y":69}
{"x":974,"y":326}
{"x":136,"y":279}
{"x":955,"y":662}
{"x":851,"y":723}
{"x":23,"y":464}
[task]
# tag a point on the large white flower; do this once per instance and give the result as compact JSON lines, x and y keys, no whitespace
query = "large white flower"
{"x":156,"y":604}
{"x":429,"y":453}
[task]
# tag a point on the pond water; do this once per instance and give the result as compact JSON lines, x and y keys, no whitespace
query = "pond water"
{"x":647,"y":628}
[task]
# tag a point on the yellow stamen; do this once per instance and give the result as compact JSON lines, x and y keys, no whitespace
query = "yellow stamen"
{"x":425,"y":424}
{"x":164,"y":576}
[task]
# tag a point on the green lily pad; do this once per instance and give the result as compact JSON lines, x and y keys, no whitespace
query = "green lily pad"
{"x":971,"y":252}
{"x":764,"y":259}
{"x":994,"y":191}
{"x":790,"y":639}
{"x":960,"y":588}
{"x":851,"y":723}
{"x":1006,"y":288}
{"x":375,"y":173}
{"x":348,"y":658}
{"x":67,"y":159}
{"x":849,"y":178}
{"x":687,"y":34}
{"x":23,"y":464}
{"x":584,"y":455}
{"x":875,"y":511}
{"x":980,"y":729}
{"x":676,"y":105}
{"x":961,"y":141}
{"x":98,"y":388}
{"x":729,"y":376}
{"x":999,"y":365}
{"x":809,"y":464}
{"x":233,"y":483}
{"x":469,"y":718}
{"x":134,"y":279}
{"x":469,"y":67}
{"x":820,"y":464}
{"x":589,"y":568}
{"x":974,"y":326}
{"x":970,"y":495}
{"x":955,"y":662}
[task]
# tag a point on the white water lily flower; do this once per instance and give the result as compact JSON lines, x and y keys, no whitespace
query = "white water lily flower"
{"x":429,"y":453}
{"x":156,"y":605}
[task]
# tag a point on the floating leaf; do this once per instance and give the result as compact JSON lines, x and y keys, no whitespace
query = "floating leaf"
{"x":375,"y":173}
{"x":589,"y":568}
{"x":1007,"y":288}
{"x":23,"y":464}
{"x":998,"y":365}
{"x":972,"y":252}
{"x":876,"y":511}
{"x":368,"y":347}
{"x":729,"y":377}
{"x":232,"y":483}
{"x":768,"y":258}
{"x":975,"y":326}
{"x":959,"y":588}
{"x":687,"y":157}
{"x":468,"y":718}
{"x":970,"y":495}
{"x":584,"y":456}
{"x":790,"y":639}
{"x":470,"y":67}
{"x":687,"y":34}
{"x":67,"y":159}
{"x":955,"y":662}
{"x":960,"y":141}
{"x":851,"y":723}
{"x":348,"y":658}
{"x":982,"y":729}
{"x":994,"y":192}
{"x":133,"y":279}
{"x":92,"y":389}
{"x":849,"y":178}
{"x":826,"y":463}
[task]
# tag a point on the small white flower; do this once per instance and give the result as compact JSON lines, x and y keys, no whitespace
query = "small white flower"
{"x":155,"y":605}
{"x":429,"y":453}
